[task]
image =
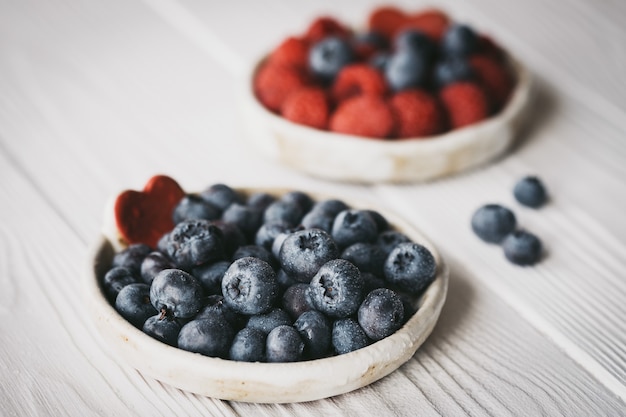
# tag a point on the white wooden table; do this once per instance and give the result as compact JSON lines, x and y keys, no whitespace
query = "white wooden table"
{"x":96,"y":97}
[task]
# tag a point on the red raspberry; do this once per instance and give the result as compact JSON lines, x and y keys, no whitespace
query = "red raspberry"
{"x":465,"y":102}
{"x":416,"y":114}
{"x":292,"y":51}
{"x":358,"y":79}
{"x":433,"y":22}
{"x":325,"y":26}
{"x":494,"y":78}
{"x":273,"y":83}
{"x":366,"y":115}
{"x":307,"y":106}
{"x":386,"y":20}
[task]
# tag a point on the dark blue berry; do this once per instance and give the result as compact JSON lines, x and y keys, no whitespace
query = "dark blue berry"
{"x":249,"y":286}
{"x":210,"y":275}
{"x":133,"y":303}
{"x":452,"y":70}
{"x":285,"y":280}
{"x":379,"y":61}
{"x":195,"y":242}
{"x":348,"y":336}
{"x":367,"y":257}
{"x":371,"y":38}
{"x":411,"y":267}
{"x":280,"y":238}
{"x":459,"y":40}
{"x":211,"y":336}
{"x":295,"y":300}
{"x":530,"y":192}
{"x":215,"y":306}
{"x":163,"y":328}
{"x":132,"y":257}
{"x":255,"y":251}
{"x":115,"y":279}
{"x":315,"y":330}
{"x":330,"y":206}
{"x":389,"y":239}
{"x":260,"y":200}
{"x":221,"y":196}
{"x":162,"y":243}
{"x":232,"y":236}
{"x":154,"y":263}
{"x":522,"y":248}
{"x":192,"y":207}
{"x":352,"y":226}
{"x":417,"y":42}
{"x":177,"y":293}
{"x":318,"y":219}
{"x":268,"y":321}
{"x":304,"y":252}
{"x":300,"y":198}
{"x":406,"y":69}
{"x":267,"y":233}
{"x":284,"y":344}
{"x":381,"y":221}
{"x":492,"y":222}
{"x":372,"y":282}
{"x":329,"y":56}
{"x":248,"y":345}
{"x":336,"y":289}
{"x":288,"y":212}
{"x":247,"y":219}
{"x":381,"y":313}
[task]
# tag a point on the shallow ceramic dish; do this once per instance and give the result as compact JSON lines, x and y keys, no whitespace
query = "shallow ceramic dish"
{"x":261,"y":382}
{"x":342,"y":157}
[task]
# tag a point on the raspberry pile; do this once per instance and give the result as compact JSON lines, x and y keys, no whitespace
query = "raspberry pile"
{"x":406,"y":75}
{"x":260,"y":277}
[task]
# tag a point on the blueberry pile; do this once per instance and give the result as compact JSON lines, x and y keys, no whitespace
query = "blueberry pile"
{"x":265,"y":278}
{"x":494,"y":223}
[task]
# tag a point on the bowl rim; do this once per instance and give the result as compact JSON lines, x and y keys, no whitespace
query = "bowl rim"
{"x":263,"y":382}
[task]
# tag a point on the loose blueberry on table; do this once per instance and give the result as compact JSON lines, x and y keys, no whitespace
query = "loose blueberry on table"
{"x":285,"y":289}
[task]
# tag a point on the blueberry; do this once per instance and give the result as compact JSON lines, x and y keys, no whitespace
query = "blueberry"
{"x":329,"y":56}
{"x":176,"y":292}
{"x":318,"y":219}
{"x":366,"y":256}
{"x":195,"y":242}
{"x":280,"y":239}
{"x":348,"y":336}
{"x":371,"y":38}
{"x":336,"y":289}
{"x":352,"y":226}
{"x":210,"y":275}
{"x":522,"y":248}
{"x":268,"y":231}
{"x":379,"y":61}
{"x":255,"y":251}
{"x":285,"y":280}
{"x":260,"y":200}
{"x":162,"y":243}
{"x":163,"y":328}
{"x":192,"y":207}
{"x":249,"y":286}
{"x":330,"y":206}
{"x":211,"y":336}
{"x":492,"y":222}
{"x":221,"y":196}
{"x":268,"y":321}
{"x":232,"y":236}
{"x":372,"y":282}
{"x":295,"y":299}
{"x":415,"y":41}
{"x":115,"y":279}
{"x":381,"y":313}
{"x":283,"y":211}
{"x":460,"y":40}
{"x":304,"y":252}
{"x":410,"y":267}
{"x":284,"y":344}
{"x":215,"y":306}
{"x":389,"y":239}
{"x":300,"y":198}
{"x":154,"y":263}
{"x":406,"y":69}
{"x":133,"y":303}
{"x":380,"y":220}
{"x":530,"y":192}
{"x":132,"y":257}
{"x":247,"y":219}
{"x":315,"y":330}
{"x":248,"y":345}
{"x":451,"y":70}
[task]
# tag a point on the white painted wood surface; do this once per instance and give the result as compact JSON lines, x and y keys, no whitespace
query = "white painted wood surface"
{"x":96,"y":97}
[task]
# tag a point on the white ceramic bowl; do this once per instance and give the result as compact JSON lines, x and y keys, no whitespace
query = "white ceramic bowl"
{"x":341,"y":157}
{"x":262,"y":382}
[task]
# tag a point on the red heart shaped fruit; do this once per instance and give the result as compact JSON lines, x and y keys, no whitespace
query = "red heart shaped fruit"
{"x":144,"y":216}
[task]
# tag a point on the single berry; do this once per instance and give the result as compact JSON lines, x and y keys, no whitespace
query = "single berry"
{"x":368,"y":257}
{"x":307,"y":106}
{"x":210,"y":275}
{"x":295,"y":300}
{"x":530,"y":192}
{"x":367,"y":116}
{"x":353,"y":226}
{"x":406,"y":69}
{"x":249,"y":286}
{"x":325,"y":26}
{"x":389,"y":239}
{"x":411,"y":267}
{"x":268,"y":231}
{"x":221,"y":196}
{"x":208,"y":336}
{"x":133,"y":303}
{"x":215,"y":306}
{"x":288,"y":212}
{"x":315,"y":330}
{"x":372,"y":282}
{"x":522,"y":248}
{"x":248,"y":345}
{"x":232,"y":236}
{"x":266,"y":322}
{"x":132,"y":257}
{"x":323,"y":214}
{"x":246,"y":218}
{"x":292,"y":51}
{"x":381,"y":313}
{"x":416,"y":114}
{"x":255,"y":251}
{"x":163,"y":328}
{"x":433,"y":22}
{"x":336,"y":289}
{"x":192,"y":207}
{"x":459,"y":40}
{"x":328,"y":56}
{"x":379,"y":219}
{"x":284,"y":344}
{"x":195,"y":242}
{"x":357,"y":79}
{"x":386,"y":20}
{"x":117,"y":278}
{"x":492,"y":222}
{"x":348,"y":336}
{"x":260,"y":200}
{"x":285,"y":280}
{"x":453,"y":69}
{"x":465,"y":103}
{"x":177,"y":293}
{"x":304,"y":252}
{"x":154,"y":263}
{"x":273,"y":83}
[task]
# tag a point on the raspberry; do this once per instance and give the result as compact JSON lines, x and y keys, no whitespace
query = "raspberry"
{"x":465,"y":102}
{"x":273,"y":83}
{"x":358,"y":79}
{"x":386,"y":20}
{"x":416,"y":113}
{"x":494,"y":78}
{"x":323,"y":27}
{"x":365,"y":115}
{"x":292,"y":51}
{"x":432,"y":22}
{"x":307,"y":106}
